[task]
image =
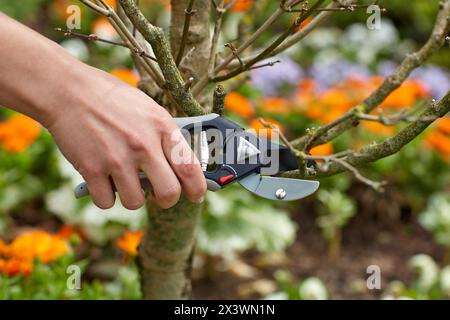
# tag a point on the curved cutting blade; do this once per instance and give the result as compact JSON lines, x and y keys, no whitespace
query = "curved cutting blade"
{"x":277,"y":188}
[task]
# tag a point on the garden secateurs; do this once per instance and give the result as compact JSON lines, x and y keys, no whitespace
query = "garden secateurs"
{"x":229,"y":154}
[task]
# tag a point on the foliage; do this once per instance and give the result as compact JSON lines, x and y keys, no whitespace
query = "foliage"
{"x":291,"y":289}
{"x":329,"y":73}
{"x":235,"y":221}
{"x":431,"y":282}
{"x":335,"y":211}
{"x":436,"y":218}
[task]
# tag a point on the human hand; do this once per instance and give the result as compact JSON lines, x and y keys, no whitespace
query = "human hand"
{"x":110,"y":132}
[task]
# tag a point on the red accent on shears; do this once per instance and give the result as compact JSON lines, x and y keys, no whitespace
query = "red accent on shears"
{"x":226,"y":178}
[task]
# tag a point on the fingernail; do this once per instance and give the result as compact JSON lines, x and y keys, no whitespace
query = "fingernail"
{"x":200,"y":200}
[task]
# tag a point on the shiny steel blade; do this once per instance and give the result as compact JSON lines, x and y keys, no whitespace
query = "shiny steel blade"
{"x":277,"y":188}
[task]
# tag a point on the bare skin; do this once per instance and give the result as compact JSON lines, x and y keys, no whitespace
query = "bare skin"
{"x":108,"y":130}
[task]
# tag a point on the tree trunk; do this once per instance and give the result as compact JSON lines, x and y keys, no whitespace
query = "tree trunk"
{"x":165,"y":255}
{"x":166,"y":251}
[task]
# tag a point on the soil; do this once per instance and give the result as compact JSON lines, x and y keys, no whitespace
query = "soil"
{"x":383,"y":233}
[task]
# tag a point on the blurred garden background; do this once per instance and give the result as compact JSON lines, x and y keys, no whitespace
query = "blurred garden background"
{"x":316,"y":248}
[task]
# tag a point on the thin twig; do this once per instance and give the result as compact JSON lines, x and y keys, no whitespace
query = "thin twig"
{"x":94,"y":37}
{"x":392,"y":82}
{"x":266,"y":25}
{"x":268,"y":51}
{"x":188,"y":13}
{"x":95,"y":7}
{"x":216,"y":36}
{"x":376,"y":185}
{"x":387,"y":147}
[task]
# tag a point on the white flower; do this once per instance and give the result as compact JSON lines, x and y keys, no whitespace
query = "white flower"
{"x":277,"y":296}
{"x":313,"y":289}
{"x":427,"y":271}
{"x":76,"y":48}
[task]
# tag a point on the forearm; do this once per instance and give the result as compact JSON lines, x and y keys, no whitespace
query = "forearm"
{"x":36,"y":74}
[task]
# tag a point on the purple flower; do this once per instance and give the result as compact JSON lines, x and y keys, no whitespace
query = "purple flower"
{"x":330,"y":73}
{"x":436,"y":78}
{"x":269,"y":80}
{"x":386,"y":68}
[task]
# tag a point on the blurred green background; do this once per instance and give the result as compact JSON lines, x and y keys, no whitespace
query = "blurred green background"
{"x":316,"y":248}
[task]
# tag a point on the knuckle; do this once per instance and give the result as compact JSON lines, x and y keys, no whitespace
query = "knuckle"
{"x":189,"y":170}
{"x":116,"y":162}
{"x":165,"y":125}
{"x":92,"y":171}
{"x":136,"y":143}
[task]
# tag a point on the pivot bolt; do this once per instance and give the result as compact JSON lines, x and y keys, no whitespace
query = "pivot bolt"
{"x":280,"y":194}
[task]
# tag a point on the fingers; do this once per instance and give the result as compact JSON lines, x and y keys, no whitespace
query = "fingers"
{"x":166,"y":188}
{"x":185,"y":165}
{"x":127,"y":184}
{"x":101,"y":191}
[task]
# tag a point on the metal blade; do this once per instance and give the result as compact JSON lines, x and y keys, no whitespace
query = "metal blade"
{"x":277,"y":188}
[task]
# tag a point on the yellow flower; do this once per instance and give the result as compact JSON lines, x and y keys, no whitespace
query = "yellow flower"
{"x":130,"y":241}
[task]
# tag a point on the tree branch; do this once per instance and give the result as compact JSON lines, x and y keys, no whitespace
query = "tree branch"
{"x":269,"y":22}
{"x":348,"y":120}
{"x":187,"y":22}
{"x":94,"y":37}
{"x":389,"y":146}
{"x":215,"y":40}
{"x":156,"y":38}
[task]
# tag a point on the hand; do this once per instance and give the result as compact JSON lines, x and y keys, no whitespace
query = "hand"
{"x":110,"y":132}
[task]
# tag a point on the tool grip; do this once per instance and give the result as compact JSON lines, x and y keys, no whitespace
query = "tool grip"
{"x":82,"y":190}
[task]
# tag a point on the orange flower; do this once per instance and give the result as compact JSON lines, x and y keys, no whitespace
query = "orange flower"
{"x":38,"y":244}
{"x":275,"y":105}
{"x":13,"y":267}
{"x":378,"y":128}
{"x":240,"y":5}
{"x":237,"y":103}
{"x":127,"y":76}
{"x":59,"y":7}
{"x":18,"y":133}
{"x":322,"y":150}
{"x":444,"y":125}
{"x":130,"y":241}
{"x":263,"y":131}
{"x":406,"y":95}
{"x":336,"y":99}
{"x":103,"y":28}
{"x":303,"y":24}
{"x":112,"y":3}
{"x":439,"y":142}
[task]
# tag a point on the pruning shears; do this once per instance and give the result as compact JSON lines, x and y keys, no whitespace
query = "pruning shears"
{"x":229,"y":154}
